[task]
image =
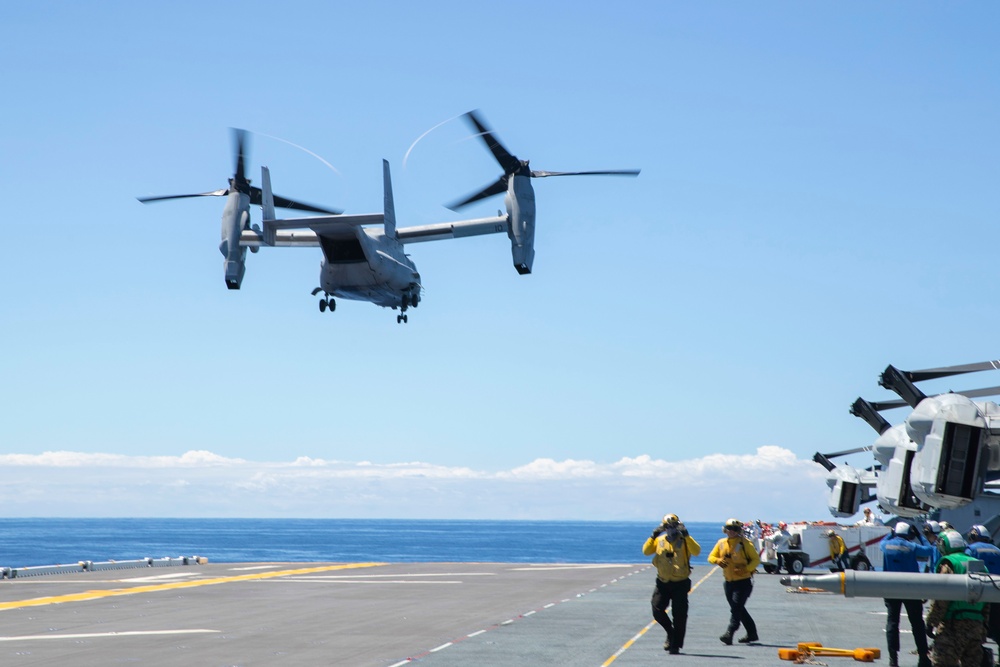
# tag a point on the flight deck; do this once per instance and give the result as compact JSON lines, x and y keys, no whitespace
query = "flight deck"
{"x":395,"y":614}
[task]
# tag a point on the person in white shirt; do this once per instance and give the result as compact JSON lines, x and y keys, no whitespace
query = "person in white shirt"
{"x":869,"y":519}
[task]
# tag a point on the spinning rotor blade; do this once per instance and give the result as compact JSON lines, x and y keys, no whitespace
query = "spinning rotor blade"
{"x":493,"y":189}
{"x":257,"y":197}
{"x":240,"y":183}
{"x":239,"y":140}
{"x":507,"y":162}
{"x":611,"y":172}
{"x":512,"y":166}
{"x":213,"y":193}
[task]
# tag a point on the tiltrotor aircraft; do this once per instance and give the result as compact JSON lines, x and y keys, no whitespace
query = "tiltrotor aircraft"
{"x":945,"y":456}
{"x":363,"y":255}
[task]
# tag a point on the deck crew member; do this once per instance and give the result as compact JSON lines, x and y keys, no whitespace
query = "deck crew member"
{"x":671,"y":548}
{"x":957,"y":626}
{"x":899,"y":554}
{"x":781,"y":539}
{"x":982,"y":548}
{"x":738,"y":559}
{"x":869,"y":519}
{"x":838,"y":550}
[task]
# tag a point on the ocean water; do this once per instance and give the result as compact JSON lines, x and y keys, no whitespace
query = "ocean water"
{"x":28,"y":542}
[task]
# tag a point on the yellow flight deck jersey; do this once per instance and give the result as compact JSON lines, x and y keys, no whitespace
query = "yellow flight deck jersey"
{"x":672,"y":559}
{"x":739,"y":553}
{"x":837,"y":546}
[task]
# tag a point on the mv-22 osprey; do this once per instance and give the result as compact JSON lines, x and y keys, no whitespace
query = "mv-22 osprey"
{"x":364,"y":262}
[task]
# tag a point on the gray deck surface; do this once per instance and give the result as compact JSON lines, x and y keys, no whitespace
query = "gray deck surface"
{"x":430,"y":614}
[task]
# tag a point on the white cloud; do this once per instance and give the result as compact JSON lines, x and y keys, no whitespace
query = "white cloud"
{"x":768,"y":484}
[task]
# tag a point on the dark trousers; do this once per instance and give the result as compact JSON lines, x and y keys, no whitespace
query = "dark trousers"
{"x":672,"y":594}
{"x":737,"y":594}
{"x":993,"y":623}
{"x":915,"y":612}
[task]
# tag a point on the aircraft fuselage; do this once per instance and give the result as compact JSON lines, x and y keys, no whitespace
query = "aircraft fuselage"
{"x":369,"y":267}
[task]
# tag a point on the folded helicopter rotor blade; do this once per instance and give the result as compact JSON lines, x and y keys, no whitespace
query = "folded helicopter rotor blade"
{"x":609,"y":172}
{"x":979,"y":393}
{"x":848,"y":452}
{"x":213,"y":193}
{"x":879,"y":406}
{"x":948,"y":371}
{"x":507,"y":162}
{"x":968,"y":393}
{"x":495,"y":188}
{"x":257,"y":198}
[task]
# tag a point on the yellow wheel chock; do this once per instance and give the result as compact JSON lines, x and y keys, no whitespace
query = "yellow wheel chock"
{"x":806,"y":649}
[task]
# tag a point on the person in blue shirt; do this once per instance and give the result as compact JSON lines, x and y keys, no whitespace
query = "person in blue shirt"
{"x":900,"y":551}
{"x":980,"y":546}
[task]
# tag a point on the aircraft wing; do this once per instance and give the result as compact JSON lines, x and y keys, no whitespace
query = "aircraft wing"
{"x":327,"y":225}
{"x":452,"y":230}
{"x":305,"y":232}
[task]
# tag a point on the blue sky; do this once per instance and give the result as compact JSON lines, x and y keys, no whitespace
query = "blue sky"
{"x":817,"y":200}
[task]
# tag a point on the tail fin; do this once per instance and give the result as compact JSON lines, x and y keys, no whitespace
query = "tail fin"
{"x":267,"y":204}
{"x":390,"y":208}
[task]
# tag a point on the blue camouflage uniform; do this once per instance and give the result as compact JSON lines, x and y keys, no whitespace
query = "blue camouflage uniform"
{"x":900,"y":554}
{"x":989,"y":553}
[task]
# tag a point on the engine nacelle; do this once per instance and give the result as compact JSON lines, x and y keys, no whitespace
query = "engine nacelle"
{"x":235,"y":218}
{"x":953,"y":438}
{"x":845,"y":491}
{"x":520,"y":201}
{"x":895,"y":451}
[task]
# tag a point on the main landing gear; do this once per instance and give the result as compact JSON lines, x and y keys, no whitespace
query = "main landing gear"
{"x":407,"y":301}
{"x":326,"y":302}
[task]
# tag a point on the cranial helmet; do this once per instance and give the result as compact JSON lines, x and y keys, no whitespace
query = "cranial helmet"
{"x":671,"y":519}
{"x":733,"y":524}
{"x":950,"y":542}
{"x":902,"y":528}
{"x":830,"y":533}
{"x":979,"y":532}
{"x":933,"y":526}
{"x":782,"y":525}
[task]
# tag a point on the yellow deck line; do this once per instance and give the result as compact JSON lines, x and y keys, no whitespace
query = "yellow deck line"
{"x":114,"y":592}
{"x":617,"y":654}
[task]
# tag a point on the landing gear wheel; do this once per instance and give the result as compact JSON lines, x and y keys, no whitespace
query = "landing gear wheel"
{"x":401,"y":319}
{"x":332,"y":305}
{"x":322,"y":305}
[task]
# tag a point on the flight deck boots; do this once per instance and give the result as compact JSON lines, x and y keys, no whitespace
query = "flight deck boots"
{"x":727,"y":638}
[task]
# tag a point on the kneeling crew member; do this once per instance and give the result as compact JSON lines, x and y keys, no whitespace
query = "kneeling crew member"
{"x":958,"y":627}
